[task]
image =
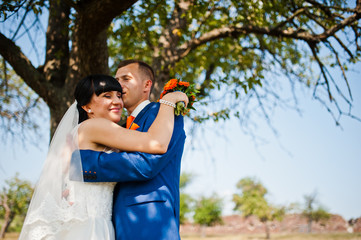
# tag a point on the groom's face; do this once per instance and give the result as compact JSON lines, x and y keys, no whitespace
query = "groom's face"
{"x":134,"y":89}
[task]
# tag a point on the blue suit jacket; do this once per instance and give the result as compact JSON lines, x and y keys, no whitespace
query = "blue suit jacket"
{"x":146,"y":197}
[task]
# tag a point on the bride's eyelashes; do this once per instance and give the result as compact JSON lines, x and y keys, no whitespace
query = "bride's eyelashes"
{"x":110,"y":94}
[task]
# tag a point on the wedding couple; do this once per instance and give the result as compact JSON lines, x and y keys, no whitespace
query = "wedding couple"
{"x":101,"y":181}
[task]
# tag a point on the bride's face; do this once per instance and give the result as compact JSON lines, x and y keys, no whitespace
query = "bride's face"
{"x":107,"y":105}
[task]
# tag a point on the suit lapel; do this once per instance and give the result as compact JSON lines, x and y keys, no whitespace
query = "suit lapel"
{"x":144,"y":110}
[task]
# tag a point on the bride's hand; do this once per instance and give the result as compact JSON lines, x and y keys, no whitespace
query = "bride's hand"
{"x":175,"y":97}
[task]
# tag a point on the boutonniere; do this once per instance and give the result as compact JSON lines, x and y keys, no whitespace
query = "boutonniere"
{"x":174,"y":85}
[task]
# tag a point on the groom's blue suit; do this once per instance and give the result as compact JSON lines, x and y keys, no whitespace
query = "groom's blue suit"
{"x":146,"y":197}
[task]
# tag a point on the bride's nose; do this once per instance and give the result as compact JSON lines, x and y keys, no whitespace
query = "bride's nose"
{"x":118,"y":101}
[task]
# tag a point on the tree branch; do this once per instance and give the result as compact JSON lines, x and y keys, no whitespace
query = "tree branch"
{"x":14,"y":9}
{"x":344,"y":46}
{"x":348,"y":21}
{"x":332,"y":49}
{"x":322,"y":68}
{"x":97,"y":15}
{"x":27,"y":32}
{"x":234,"y":31}
{"x":290,"y":19}
{"x":207,"y":81}
{"x":326,"y":9}
{"x":179,"y":12}
{"x":22,"y":66}
{"x":22,"y":20}
{"x":206,"y":16}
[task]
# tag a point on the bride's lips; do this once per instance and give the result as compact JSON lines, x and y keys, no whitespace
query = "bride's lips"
{"x":115,"y":109}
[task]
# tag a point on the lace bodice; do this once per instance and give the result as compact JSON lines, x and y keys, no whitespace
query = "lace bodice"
{"x":98,"y":199}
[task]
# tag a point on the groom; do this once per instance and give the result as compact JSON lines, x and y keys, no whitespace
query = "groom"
{"x":146,"y":197}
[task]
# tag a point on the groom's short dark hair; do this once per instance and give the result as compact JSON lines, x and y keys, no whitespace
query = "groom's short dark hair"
{"x":143,"y":67}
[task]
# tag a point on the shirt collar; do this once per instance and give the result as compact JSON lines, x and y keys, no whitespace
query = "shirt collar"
{"x":139,"y":108}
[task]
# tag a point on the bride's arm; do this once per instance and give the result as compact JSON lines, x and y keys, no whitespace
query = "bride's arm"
{"x":104,"y":132}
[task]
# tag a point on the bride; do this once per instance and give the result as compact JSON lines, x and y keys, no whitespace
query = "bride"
{"x":63,"y":206}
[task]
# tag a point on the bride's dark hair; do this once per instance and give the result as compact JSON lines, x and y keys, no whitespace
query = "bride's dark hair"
{"x":93,"y":84}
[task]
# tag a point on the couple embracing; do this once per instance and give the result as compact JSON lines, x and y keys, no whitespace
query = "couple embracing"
{"x":101,"y":181}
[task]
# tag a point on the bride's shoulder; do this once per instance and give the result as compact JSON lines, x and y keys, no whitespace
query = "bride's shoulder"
{"x":94,"y":124}
{"x":93,"y":121}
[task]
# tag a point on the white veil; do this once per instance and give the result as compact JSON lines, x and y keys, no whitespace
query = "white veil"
{"x":55,"y":202}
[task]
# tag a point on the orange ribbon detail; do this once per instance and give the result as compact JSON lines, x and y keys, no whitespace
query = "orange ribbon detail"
{"x":130,"y":124}
{"x":134,"y":126}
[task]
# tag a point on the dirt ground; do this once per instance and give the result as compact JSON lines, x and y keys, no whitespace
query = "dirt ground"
{"x":283,"y":236}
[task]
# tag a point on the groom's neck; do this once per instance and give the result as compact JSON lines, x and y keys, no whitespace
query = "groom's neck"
{"x":131,"y":109}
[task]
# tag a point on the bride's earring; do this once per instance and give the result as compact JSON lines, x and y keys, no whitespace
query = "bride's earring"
{"x":89,"y":110}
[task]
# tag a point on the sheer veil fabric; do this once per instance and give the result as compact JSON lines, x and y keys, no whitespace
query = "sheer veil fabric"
{"x":55,"y":204}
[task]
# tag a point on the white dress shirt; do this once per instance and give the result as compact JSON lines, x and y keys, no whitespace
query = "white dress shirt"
{"x":139,"y":108}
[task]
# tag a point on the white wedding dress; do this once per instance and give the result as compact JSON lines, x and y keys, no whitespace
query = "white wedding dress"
{"x":61,"y":209}
{"x":92,"y":221}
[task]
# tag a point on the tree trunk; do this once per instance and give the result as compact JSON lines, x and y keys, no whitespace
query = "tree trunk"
{"x":7,"y":218}
{"x":56,"y":114}
{"x":161,"y":75}
{"x":268,"y":235}
{"x":89,"y":55}
{"x":203,"y":231}
{"x":309,"y":225}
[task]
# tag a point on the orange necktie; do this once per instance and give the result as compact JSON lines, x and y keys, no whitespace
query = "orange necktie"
{"x":130,"y":119}
{"x":130,"y":124}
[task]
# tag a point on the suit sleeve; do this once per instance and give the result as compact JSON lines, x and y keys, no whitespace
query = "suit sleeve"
{"x":132,"y":166}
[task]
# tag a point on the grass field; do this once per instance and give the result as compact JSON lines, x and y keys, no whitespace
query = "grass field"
{"x":323,"y":236}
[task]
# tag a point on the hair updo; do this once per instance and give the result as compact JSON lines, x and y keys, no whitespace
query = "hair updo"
{"x":93,"y":84}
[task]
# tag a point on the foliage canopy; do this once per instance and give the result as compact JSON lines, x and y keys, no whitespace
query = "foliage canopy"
{"x":208,"y":211}
{"x":14,"y":201}
{"x":252,"y":201}
{"x":245,"y":56}
{"x":313,"y":211}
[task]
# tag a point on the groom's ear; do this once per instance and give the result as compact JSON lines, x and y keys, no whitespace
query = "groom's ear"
{"x":148,"y":85}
